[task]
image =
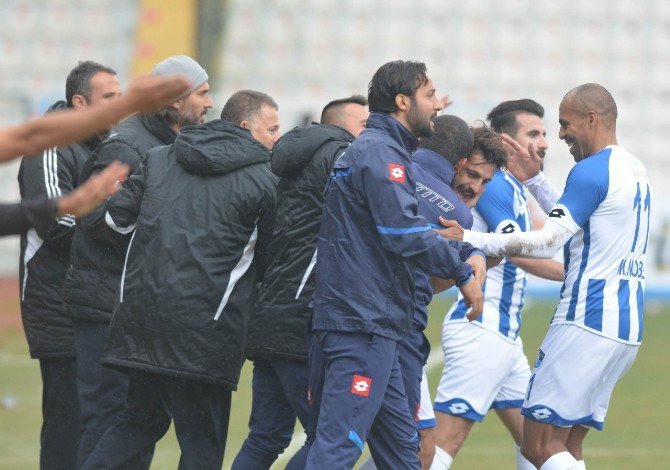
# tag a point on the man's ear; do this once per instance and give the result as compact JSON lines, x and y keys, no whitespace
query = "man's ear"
{"x":592,"y":118}
{"x":460,"y":163}
{"x":401,"y":102}
{"x":245,"y":124}
{"x":177,"y":104}
{"x":79,"y":102}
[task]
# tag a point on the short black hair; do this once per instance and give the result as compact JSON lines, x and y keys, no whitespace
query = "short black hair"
{"x":596,"y":97}
{"x":331,"y":108}
{"x":245,"y":104}
{"x":392,"y":79}
{"x":489,"y":143}
{"x":452,"y":139}
{"x":79,"y":79}
{"x":503,"y":116}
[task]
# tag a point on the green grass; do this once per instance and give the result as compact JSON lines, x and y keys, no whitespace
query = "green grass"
{"x":635,"y":434}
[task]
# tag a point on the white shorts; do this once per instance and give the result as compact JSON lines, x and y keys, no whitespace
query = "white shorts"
{"x":574,"y":376}
{"x":482,"y":370}
{"x":426,"y":414}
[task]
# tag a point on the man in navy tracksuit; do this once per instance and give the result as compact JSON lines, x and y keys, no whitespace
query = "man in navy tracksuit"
{"x":372,"y":240}
{"x":433,"y":166}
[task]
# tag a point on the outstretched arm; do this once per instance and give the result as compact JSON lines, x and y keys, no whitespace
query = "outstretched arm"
{"x":543,"y":243}
{"x":145,"y":94}
{"x":17,"y":218}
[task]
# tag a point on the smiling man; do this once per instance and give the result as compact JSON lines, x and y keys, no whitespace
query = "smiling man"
{"x":603,"y":216}
{"x":492,"y":342}
{"x":371,"y":241}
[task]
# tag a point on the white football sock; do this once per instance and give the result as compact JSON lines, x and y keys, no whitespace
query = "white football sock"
{"x":560,"y":461}
{"x":581,"y":465}
{"x":522,"y":462}
{"x":442,"y":460}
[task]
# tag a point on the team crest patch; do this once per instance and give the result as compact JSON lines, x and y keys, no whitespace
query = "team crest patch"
{"x":361,"y":385}
{"x":396,"y":173}
{"x":540,"y":358}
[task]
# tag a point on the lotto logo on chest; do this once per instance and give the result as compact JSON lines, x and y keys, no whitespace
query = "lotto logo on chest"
{"x":396,"y":173}
{"x":361,"y":385}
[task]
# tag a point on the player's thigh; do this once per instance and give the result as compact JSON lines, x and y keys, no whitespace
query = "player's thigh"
{"x":570,"y":387}
{"x":509,"y":400}
{"x":477,"y":362}
{"x":513,"y":388}
{"x":618,"y":367}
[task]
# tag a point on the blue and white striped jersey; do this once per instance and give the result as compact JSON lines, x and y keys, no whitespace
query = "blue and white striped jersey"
{"x":607,"y":202}
{"x":501,"y":209}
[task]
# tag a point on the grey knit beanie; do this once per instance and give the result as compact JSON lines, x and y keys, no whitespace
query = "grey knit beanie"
{"x":182,"y":65}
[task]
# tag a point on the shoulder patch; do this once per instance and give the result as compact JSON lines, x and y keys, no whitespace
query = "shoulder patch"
{"x":396,"y":173}
{"x":557,"y":212}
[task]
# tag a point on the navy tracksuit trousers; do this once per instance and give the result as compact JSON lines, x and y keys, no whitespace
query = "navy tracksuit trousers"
{"x":412,"y":353}
{"x":357,"y":382}
{"x":279,"y":396}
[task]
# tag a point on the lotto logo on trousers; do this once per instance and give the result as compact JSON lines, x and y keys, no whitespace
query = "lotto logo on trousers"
{"x":361,"y":385}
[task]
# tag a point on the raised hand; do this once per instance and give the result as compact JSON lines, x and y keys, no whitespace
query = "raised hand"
{"x":94,"y":191}
{"x":522,"y":163}
{"x":149,"y":93}
{"x":445,"y":102}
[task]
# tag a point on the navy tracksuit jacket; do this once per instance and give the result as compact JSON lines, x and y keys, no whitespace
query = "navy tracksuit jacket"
{"x":372,"y":241}
{"x":373,"y":238}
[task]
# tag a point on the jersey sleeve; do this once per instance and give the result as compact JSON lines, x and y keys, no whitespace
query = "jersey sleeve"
{"x":543,"y":191}
{"x":585,"y":189}
{"x":385,"y":181}
{"x":496,"y":207}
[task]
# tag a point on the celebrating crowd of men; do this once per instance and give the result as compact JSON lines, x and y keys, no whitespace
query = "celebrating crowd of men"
{"x":315,"y":255}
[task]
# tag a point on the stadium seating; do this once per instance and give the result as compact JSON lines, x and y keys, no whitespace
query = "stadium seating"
{"x":306,"y":53}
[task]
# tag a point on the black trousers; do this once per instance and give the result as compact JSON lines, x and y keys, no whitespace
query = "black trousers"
{"x":102,"y":391}
{"x":200,"y":411}
{"x":59,"y":439}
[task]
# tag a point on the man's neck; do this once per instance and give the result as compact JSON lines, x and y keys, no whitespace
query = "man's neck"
{"x":402,"y":119}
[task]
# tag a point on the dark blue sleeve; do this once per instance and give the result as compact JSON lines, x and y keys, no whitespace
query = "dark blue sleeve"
{"x":586,"y":187}
{"x":384,"y":179}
